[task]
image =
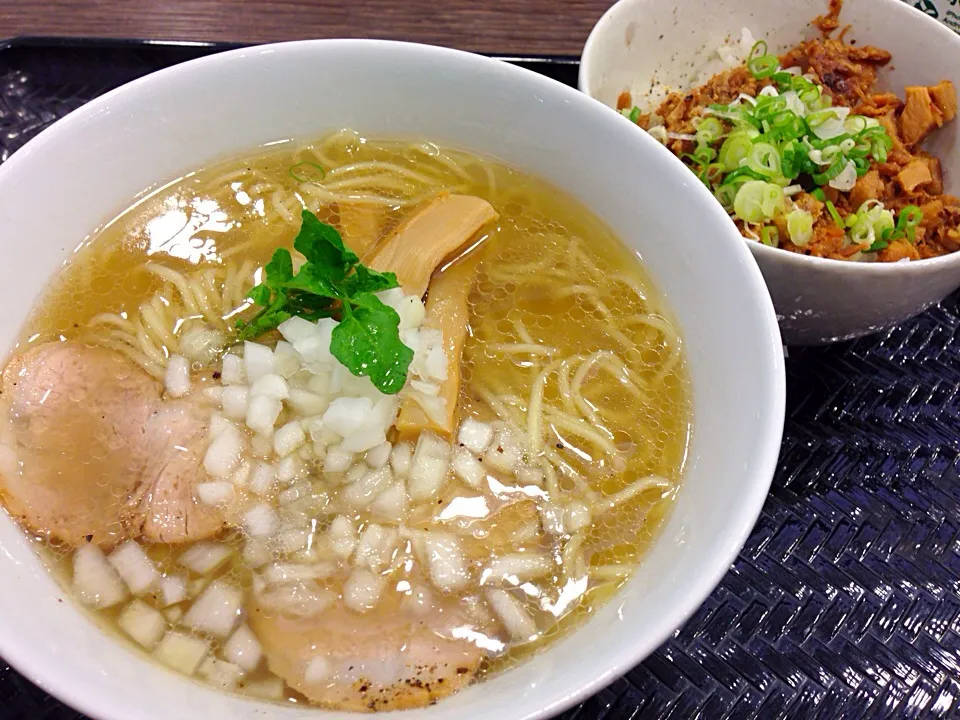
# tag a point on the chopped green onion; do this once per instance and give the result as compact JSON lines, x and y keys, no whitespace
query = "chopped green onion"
{"x":307,"y":172}
{"x":759,"y":63}
{"x":709,"y":130}
{"x":764,"y":159}
{"x":632,"y":115}
{"x":735,"y":148}
{"x":878,"y":245}
{"x":907,"y":221}
{"x":818,"y":194}
{"x":757,"y":201}
{"x":832,"y":209}
{"x":800,"y":226}
{"x":770,"y":236}
{"x":836,"y":167}
{"x":725,"y":195}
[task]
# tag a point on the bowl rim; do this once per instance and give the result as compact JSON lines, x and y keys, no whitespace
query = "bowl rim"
{"x":771,"y":396}
{"x":944,"y":35}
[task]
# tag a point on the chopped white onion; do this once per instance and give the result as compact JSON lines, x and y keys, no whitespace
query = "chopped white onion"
{"x":263,"y":478}
{"x":271,"y":385}
{"x":360,"y":494}
{"x":181,"y":652}
{"x":234,"y":401}
{"x":260,"y":520}
{"x":215,"y":493}
{"x":218,"y":423}
{"x":476,"y":436}
{"x":293,"y":493}
{"x":505,"y":453}
{"x":257,"y":552}
{"x":317,"y":671}
{"x":257,"y":361}
{"x":196,"y":586}
{"x":176,"y":379}
{"x":425,"y":388}
{"x":133,"y":565}
{"x":173,"y":589}
{"x":392,"y":504}
{"x":262,"y":413}
{"x":305,"y":402}
{"x":361,"y":591}
{"x":95,"y":581}
{"x":296,"y":599}
{"x":337,"y":461}
{"x":512,"y":614}
{"x":378,"y":456}
{"x":173,"y":614}
{"x":466,"y":467}
{"x":270,"y":688}
{"x":401,"y":457}
{"x":231,"y":370}
{"x":262,"y":445}
{"x":242,"y":474}
{"x":214,"y":394}
{"x":243,"y":649}
{"x":202,"y":344}
{"x":448,"y":568}
{"x":356,"y":472}
{"x":142,"y":623}
{"x":204,"y":557}
{"x":288,"y":438}
{"x":373,"y":430}
{"x":292,"y":539}
{"x":286,"y":360}
{"x":428,"y":471}
{"x":345,"y":415}
{"x":418,"y":601}
{"x":342,"y":536}
{"x":518,"y":567}
{"x":279,"y":573}
{"x":296,"y":329}
{"x":289,"y":469}
{"x":220,"y":673}
{"x":435,"y":363}
{"x":375,"y":547}
{"x":217,"y":610}
{"x":223,"y":454}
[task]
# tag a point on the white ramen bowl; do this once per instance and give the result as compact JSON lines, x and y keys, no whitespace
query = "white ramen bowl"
{"x":650,"y":48}
{"x":77,"y":174}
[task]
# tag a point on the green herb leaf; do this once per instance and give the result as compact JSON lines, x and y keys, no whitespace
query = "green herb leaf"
{"x":279,"y":270}
{"x":366,"y":280}
{"x":260,"y":294}
{"x":323,"y":247}
{"x":331,"y":283}
{"x":266,"y":320}
{"x":367,"y":342}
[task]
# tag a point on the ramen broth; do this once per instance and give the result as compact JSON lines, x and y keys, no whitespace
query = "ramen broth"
{"x":571,"y":362}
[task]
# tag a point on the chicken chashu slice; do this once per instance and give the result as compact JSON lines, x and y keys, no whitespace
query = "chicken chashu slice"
{"x":91,"y":453}
{"x":395,"y":661}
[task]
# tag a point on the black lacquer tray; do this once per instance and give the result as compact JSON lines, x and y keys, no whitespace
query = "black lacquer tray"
{"x":845,"y":602}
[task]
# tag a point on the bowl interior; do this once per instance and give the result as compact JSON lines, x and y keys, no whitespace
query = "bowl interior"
{"x":59,"y":187}
{"x":651,"y":48}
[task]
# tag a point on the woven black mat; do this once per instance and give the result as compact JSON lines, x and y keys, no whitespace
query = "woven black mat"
{"x":845,"y":602}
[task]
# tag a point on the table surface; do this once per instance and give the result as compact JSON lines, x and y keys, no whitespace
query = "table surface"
{"x":538,"y":27}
